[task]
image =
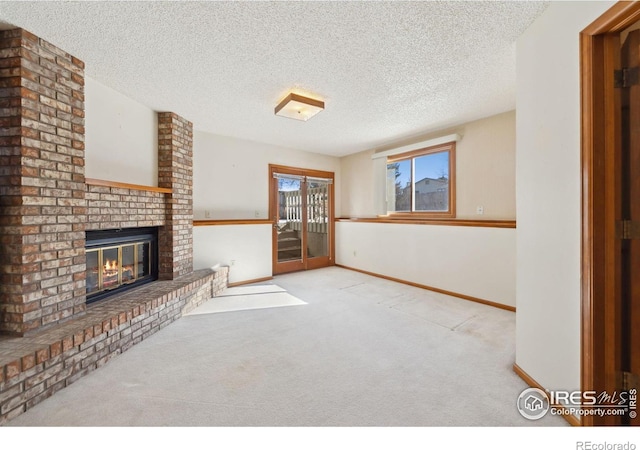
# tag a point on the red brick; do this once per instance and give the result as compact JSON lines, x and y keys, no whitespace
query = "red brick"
{"x":24,"y":34}
{"x":42,"y":355}
{"x":67,"y":343}
{"x":78,"y":338}
{"x":77,"y":62}
{"x":28,"y":362}
{"x":13,"y":369}
{"x":9,"y":82}
{"x":77,"y":79}
{"x":55,"y":349}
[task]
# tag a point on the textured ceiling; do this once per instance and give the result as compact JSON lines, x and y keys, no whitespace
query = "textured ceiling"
{"x":387,"y":71}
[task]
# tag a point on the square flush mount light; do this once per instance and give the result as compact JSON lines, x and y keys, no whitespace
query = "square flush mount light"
{"x":295,"y":106}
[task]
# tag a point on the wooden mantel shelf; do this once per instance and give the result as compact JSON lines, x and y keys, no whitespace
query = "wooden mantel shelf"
{"x":117,"y":184}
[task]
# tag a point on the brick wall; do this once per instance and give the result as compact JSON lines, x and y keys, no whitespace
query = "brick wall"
{"x":175,"y":171}
{"x":42,"y":201}
{"x":46,"y":206}
{"x":110,"y":207}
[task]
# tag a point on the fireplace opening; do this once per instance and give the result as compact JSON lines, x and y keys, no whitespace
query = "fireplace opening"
{"x":120,"y":259}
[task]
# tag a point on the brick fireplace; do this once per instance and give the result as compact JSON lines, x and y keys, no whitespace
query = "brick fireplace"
{"x":49,"y":337}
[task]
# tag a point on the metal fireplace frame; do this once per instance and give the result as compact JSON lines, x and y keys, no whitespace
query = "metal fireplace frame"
{"x":106,"y":239}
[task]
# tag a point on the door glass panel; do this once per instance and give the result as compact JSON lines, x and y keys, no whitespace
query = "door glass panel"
{"x":144,"y":260}
{"x":110,"y":267}
{"x":317,"y":219}
{"x":289,"y":219}
{"x":93,"y":277}
{"x":128,"y":263}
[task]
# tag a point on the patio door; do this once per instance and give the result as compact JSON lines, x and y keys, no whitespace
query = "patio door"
{"x":301,"y":207}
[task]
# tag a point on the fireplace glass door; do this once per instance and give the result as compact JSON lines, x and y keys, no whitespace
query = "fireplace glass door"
{"x":112,"y":267}
{"x":119,"y":261}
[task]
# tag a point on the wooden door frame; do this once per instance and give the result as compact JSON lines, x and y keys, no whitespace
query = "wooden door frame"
{"x":600,"y":144}
{"x":274,"y":168}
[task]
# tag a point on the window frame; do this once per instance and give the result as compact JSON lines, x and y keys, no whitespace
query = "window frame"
{"x":412,"y":155}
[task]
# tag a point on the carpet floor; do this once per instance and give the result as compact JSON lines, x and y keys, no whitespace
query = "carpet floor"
{"x":345,"y":349}
{"x":243,"y":298}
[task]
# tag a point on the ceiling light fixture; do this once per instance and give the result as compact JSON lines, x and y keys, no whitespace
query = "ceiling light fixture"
{"x":295,"y":106}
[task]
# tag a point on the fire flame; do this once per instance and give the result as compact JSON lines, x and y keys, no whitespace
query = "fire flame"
{"x":111,"y":265}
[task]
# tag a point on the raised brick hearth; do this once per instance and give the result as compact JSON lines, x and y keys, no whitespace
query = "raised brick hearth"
{"x":34,"y":368}
{"x":49,"y":337}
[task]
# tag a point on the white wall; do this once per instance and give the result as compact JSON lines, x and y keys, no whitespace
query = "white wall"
{"x":246,"y":249}
{"x":479,"y":262}
{"x":231,"y":181}
{"x":121,"y":137}
{"x":475,"y":261}
{"x":548,"y":194}
{"x":358,"y":185}
{"x":485,"y":171}
{"x":231,"y":176}
{"x":486,"y":168}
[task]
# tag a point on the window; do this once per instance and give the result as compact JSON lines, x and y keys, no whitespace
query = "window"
{"x":422,"y":182}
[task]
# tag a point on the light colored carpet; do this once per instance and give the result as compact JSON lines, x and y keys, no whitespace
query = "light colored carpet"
{"x":243,"y":298}
{"x":251,"y":289}
{"x":363,"y":352}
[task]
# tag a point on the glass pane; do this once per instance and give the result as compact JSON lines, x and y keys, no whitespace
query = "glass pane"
{"x":431,"y":190}
{"x":317,"y":219}
{"x":144,"y":260}
{"x":128,"y":263}
{"x":289,"y":219}
{"x":399,"y":186}
{"x":93,"y":282}
{"x":110,"y":268}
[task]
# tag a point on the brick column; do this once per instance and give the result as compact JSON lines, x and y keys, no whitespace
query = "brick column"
{"x":175,"y":171}
{"x":42,"y":190}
